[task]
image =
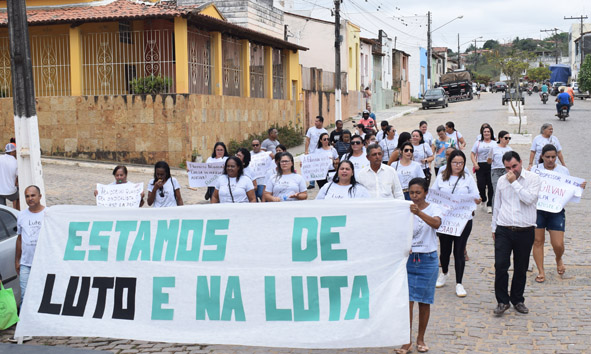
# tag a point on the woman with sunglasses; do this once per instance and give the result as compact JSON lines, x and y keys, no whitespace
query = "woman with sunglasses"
{"x":233,"y":186}
{"x":407,"y":168}
{"x":455,"y":180}
{"x":164,"y":190}
{"x":389,"y":143}
{"x":394,"y":156}
{"x":495,"y":158}
{"x":286,"y":185}
{"x":325,"y":149}
{"x":356,"y":154}
{"x":479,"y":157}
{"x":343,"y":185}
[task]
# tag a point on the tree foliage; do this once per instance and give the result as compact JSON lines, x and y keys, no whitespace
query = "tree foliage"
{"x":482,"y":78}
{"x":539,"y":74}
{"x":585,"y":75}
{"x":491,"y":44}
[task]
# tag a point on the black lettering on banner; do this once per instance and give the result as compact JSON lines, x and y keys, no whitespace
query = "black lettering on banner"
{"x":102,"y":284}
{"x":69,"y":308}
{"x":46,"y":305}
{"x":118,"y":311}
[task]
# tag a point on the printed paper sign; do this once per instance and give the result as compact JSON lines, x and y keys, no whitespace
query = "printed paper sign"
{"x":204,"y":174}
{"x":315,"y":166}
{"x":224,"y":274}
{"x":124,"y":195}
{"x":457,"y":208}
{"x":260,"y":164}
{"x":557,"y":190}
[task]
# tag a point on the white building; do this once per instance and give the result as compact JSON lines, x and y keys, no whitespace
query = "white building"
{"x":574,"y":53}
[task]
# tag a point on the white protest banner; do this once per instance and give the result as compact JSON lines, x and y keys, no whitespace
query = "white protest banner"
{"x":260,"y":164}
{"x":224,"y":274}
{"x":123,"y":195}
{"x":315,"y":166}
{"x":557,"y":190}
{"x":458,"y":210}
{"x":204,"y":174}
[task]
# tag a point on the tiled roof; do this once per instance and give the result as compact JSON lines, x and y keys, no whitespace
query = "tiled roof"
{"x":117,"y":10}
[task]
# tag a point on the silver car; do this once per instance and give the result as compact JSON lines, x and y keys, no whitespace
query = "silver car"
{"x":7,"y":248}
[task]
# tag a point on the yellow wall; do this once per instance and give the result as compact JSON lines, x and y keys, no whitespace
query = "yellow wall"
{"x":181,"y":47}
{"x":212,"y":11}
{"x":353,"y":74}
{"x":216,"y":59}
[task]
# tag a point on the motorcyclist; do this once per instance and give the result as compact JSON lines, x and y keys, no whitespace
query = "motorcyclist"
{"x":562,"y":100}
{"x":571,"y":93}
{"x":544,"y":88}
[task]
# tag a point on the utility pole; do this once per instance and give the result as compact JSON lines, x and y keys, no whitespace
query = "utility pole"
{"x":337,"y":57}
{"x":459,"y":58}
{"x":476,"y":53}
{"x":26,"y":128}
{"x":555,"y":30}
{"x":429,"y":50}
{"x":582,"y":46}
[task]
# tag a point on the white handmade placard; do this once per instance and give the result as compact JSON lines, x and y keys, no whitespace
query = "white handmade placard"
{"x":315,"y":166}
{"x":204,"y":174}
{"x":457,"y":208}
{"x":123,"y":195}
{"x":260,"y":164}
{"x":557,"y":190}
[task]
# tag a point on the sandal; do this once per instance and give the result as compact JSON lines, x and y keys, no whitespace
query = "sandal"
{"x":422,"y":348}
{"x":540,"y":278}
{"x":561,"y":270}
{"x":466,"y":258}
{"x":403,"y":350}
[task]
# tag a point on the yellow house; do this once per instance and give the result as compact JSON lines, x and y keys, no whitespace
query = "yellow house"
{"x":353,"y":44}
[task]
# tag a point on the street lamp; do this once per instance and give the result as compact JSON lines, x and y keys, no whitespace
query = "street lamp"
{"x":429,"y":32}
{"x":459,"y":45}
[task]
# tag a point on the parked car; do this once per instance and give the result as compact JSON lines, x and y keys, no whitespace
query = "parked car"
{"x":499,"y":87}
{"x":482,"y":88}
{"x":515,"y":95}
{"x":435,"y":98}
{"x":7,"y":247}
{"x":555,"y":86}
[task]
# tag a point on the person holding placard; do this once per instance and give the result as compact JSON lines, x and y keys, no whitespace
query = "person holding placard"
{"x":454,"y":179}
{"x":120,"y":174}
{"x":495,"y":158}
{"x":388,"y":143}
{"x":479,"y":157}
{"x":440,"y":147}
{"x":542,"y":140}
{"x":286,"y":185}
{"x":233,"y":186}
{"x":407,"y":168}
{"x":343,"y":185}
{"x":423,"y":153}
{"x":394,"y":156}
{"x":164,"y":190}
{"x":553,"y":222}
{"x":312,"y":138}
{"x":325,"y":149}
{"x":355,"y":153}
{"x":421,"y":266}
{"x":219,"y":154}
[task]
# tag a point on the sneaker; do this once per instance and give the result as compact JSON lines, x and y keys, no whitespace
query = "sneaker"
{"x":15,"y":339}
{"x":460,"y":291}
{"x":310,"y":186}
{"x":441,"y":279}
{"x":489,"y":210}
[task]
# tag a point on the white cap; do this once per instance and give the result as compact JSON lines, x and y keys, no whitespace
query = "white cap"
{"x":10,"y":147}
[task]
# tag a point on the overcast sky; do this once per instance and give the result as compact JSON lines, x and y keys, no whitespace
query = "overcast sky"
{"x":502,"y":20}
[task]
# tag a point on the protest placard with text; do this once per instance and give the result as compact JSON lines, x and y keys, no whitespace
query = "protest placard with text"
{"x":123,"y":195}
{"x":260,"y":164}
{"x":204,"y":174}
{"x":458,"y":210}
{"x":315,"y":166}
{"x":557,"y":190}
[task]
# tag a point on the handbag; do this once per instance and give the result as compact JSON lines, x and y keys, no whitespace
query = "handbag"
{"x":8,"y":312}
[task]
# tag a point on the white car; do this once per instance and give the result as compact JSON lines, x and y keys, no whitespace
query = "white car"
{"x":7,"y":248}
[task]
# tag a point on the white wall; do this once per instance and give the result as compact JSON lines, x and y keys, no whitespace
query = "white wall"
{"x":387,"y":45}
{"x":366,"y":65}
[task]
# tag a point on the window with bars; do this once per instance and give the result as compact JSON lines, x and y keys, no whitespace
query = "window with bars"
{"x":257,"y":71}
{"x":200,"y":65}
{"x":232,"y":66}
{"x":278,"y":74}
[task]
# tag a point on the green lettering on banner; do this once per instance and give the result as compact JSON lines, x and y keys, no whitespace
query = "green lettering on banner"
{"x":160,"y":298}
{"x":359,"y":299}
{"x":272,"y":313}
{"x":96,"y":239}
{"x":233,"y":301}
{"x":187,"y":226}
{"x":300,"y":313}
{"x":71,"y":254}
{"x":211,"y":239}
{"x":124,"y":228}
{"x":141,"y":244}
{"x":334,"y":285}
{"x":208,"y":298}
{"x":167,"y":232}
{"x":328,"y":238}
{"x":309,"y":253}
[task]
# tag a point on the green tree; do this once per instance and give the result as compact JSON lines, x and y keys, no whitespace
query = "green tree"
{"x":585,"y":75}
{"x":491,"y":44}
{"x":539,"y":74}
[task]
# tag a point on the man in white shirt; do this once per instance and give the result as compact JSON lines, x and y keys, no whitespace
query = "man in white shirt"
{"x":513,"y":230}
{"x":312,"y":137}
{"x":380,"y":180}
{"x":9,"y":176}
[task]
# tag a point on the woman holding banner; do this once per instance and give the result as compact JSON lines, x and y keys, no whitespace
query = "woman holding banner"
{"x":343,"y":185}
{"x":286,"y":185}
{"x":422,"y":266}
{"x":120,"y":174}
{"x":325,"y":149}
{"x":164,"y":190}
{"x":455,"y":180}
{"x":553,"y":222}
{"x":219,"y":154}
{"x":233,"y":186}
{"x":407,"y":168}
{"x":355,"y":153}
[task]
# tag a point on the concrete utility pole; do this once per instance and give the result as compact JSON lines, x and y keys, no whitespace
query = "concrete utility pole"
{"x":459,"y":58}
{"x":582,"y":17}
{"x":555,"y":30}
{"x":429,"y":50}
{"x":26,"y":128}
{"x":476,"y":53}
{"x":337,"y":57}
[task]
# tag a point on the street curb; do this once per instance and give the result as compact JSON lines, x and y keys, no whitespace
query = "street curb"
{"x":403,"y":113}
{"x":98,"y":165}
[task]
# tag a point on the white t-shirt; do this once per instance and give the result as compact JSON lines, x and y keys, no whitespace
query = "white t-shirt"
{"x":381,"y":136}
{"x":496,"y":154}
{"x":8,"y":174}
{"x":239,"y":188}
{"x":406,"y":173}
{"x":388,"y":146}
{"x":538,"y":144}
{"x":314,"y":134}
{"x":28,"y":225}
{"x":330,"y":153}
{"x":286,"y":185}
{"x":456,"y":135}
{"x":359,"y":162}
{"x":482,"y":149}
{"x":421,"y":152}
{"x":216,"y":159}
{"x":428,"y":138}
{"x":168,"y":189}
{"x":465,"y":185}
{"x":335,"y":191}
{"x":557,"y":168}
{"x":424,"y":238}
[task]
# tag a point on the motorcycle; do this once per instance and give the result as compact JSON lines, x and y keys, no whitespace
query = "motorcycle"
{"x":563,"y":113}
{"x":544,"y":97}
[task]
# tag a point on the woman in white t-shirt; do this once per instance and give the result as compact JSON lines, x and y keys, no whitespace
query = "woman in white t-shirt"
{"x":542,"y":140}
{"x":389,"y":143}
{"x":423,"y":153}
{"x":233,"y":186}
{"x":219,"y":154}
{"x":479,"y":156}
{"x":455,"y":180}
{"x":343,"y":185}
{"x":355,"y":153}
{"x":422,"y":265}
{"x":164,"y":190}
{"x":244,"y":155}
{"x":286,"y":185}
{"x":553,"y":222}
{"x":120,"y":174}
{"x":427,"y":137}
{"x":450,"y":130}
{"x":394,"y":156}
{"x":407,"y":168}
{"x":495,"y":158}
{"x":325,"y":149}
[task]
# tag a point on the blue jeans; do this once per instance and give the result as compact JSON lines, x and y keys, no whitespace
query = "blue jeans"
{"x":24,"y":279}
{"x":259,"y":191}
{"x":560,"y":105}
